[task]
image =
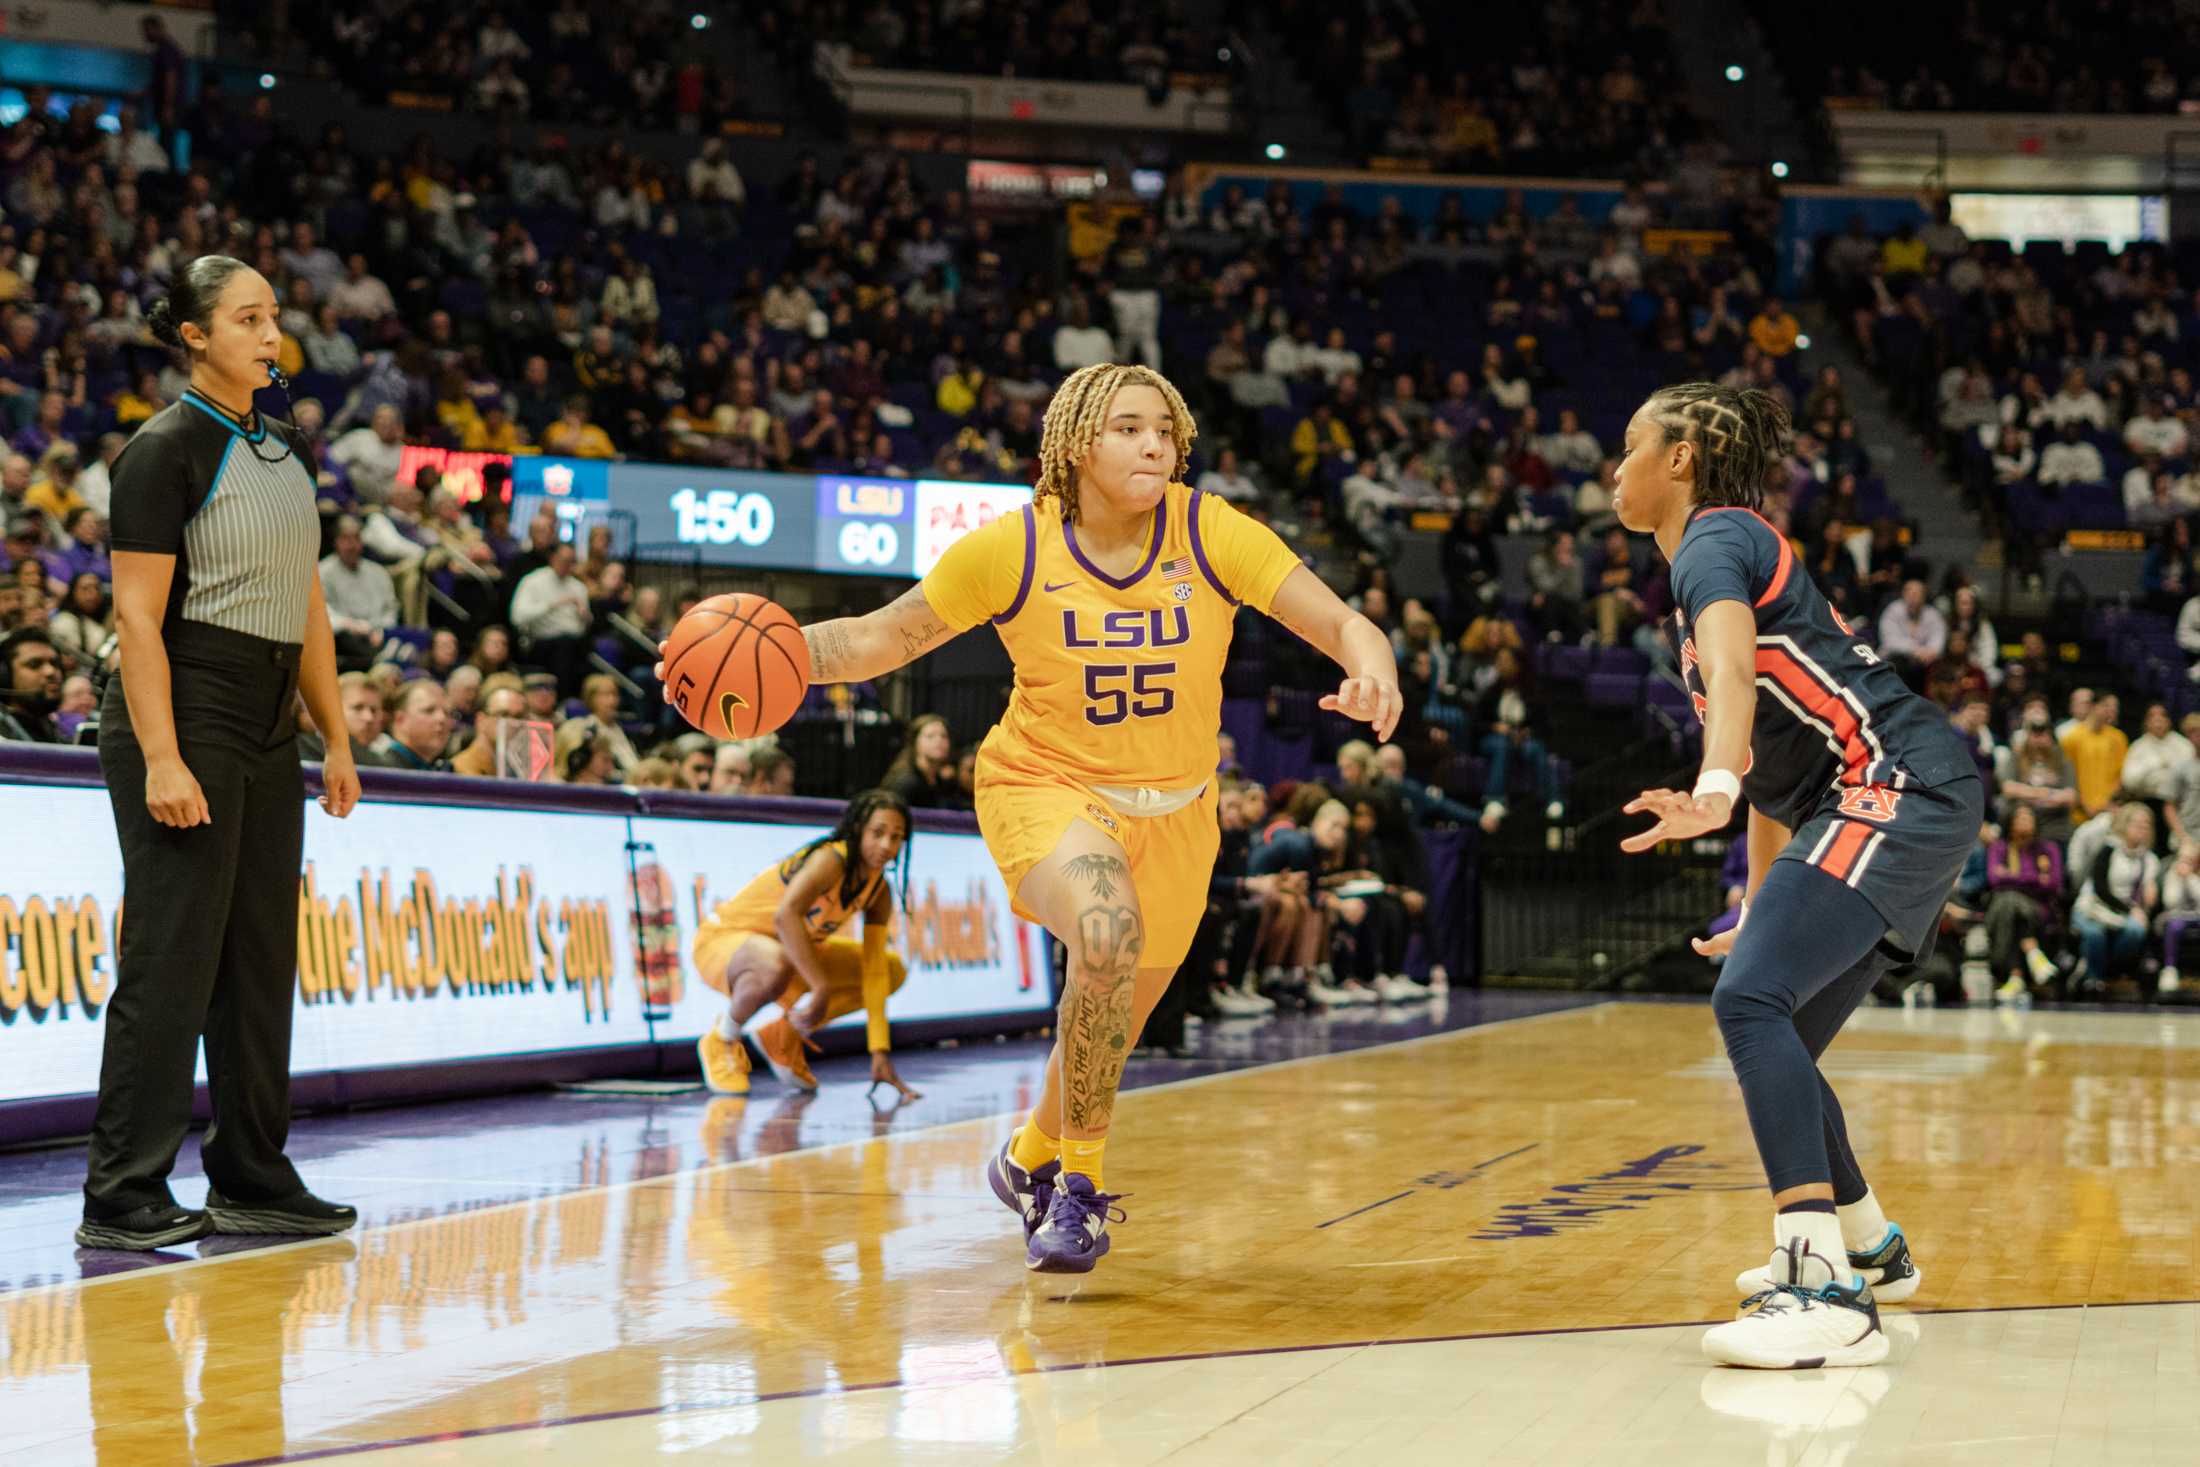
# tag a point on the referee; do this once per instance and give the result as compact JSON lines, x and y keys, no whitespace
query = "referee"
{"x":215,"y":544}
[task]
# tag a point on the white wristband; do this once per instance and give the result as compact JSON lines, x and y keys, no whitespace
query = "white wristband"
{"x":1719,"y":782}
{"x":1743,"y":916}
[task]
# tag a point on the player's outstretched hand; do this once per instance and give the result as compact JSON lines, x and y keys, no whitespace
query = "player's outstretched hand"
{"x":882,"y":1073}
{"x":659,"y":669}
{"x":1373,"y":701}
{"x":1718,"y":945}
{"x":1679,"y":816}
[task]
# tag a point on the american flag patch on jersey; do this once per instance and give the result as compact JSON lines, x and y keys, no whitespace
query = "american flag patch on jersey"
{"x":1177,"y":569}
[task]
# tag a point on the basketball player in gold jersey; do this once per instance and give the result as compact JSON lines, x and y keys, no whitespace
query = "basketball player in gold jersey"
{"x":1115,"y":592}
{"x":775,"y":940}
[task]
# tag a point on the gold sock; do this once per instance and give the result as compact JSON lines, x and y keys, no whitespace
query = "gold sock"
{"x":1033,"y":1148}
{"x":1081,"y":1155}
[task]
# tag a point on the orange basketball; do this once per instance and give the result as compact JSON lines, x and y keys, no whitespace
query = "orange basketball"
{"x":736,"y":666}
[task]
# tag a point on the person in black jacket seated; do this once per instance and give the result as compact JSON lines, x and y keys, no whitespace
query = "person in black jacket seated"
{"x":1318,"y":852}
{"x":1514,"y":718}
{"x":923,"y":773}
{"x":1425,"y":804}
{"x":1386,"y":846}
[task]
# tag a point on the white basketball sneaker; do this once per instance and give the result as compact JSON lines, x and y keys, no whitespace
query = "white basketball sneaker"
{"x":1805,"y":1320}
{"x":1232,"y":1004}
{"x":1887,"y":1267}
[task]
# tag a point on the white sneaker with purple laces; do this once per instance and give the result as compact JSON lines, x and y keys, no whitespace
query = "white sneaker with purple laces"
{"x":1074,"y":1233}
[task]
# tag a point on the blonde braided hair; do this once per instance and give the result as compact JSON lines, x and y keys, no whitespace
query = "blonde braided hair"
{"x":1740,"y":436}
{"x":1077,"y":414}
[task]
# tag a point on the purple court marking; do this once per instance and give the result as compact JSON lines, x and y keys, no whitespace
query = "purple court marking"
{"x":686,"y":1408}
{"x":1408,"y":1192}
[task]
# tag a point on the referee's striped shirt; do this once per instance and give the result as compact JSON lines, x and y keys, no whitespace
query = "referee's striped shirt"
{"x":236,"y":509}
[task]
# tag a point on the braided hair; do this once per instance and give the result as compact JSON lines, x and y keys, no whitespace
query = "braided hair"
{"x":849,"y":832}
{"x":1077,"y":414}
{"x":1740,"y":435}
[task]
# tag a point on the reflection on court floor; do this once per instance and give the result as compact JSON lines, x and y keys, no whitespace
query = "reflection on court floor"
{"x":1474,"y":1246}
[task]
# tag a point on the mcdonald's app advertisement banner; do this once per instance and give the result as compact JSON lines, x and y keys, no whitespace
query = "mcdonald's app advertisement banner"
{"x":967,"y":953}
{"x":431,"y":934}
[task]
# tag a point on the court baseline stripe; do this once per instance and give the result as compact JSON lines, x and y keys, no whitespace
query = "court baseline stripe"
{"x":975,"y":1377}
{"x":749,"y":1161}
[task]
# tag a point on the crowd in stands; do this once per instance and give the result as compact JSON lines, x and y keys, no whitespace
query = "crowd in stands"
{"x":1577,"y":88}
{"x":1351,"y":362}
{"x":1996,"y":56}
{"x":2089,"y":880}
{"x":2058,"y":387}
{"x":1077,"y":41}
{"x":1318,"y":889}
{"x":570,"y":61}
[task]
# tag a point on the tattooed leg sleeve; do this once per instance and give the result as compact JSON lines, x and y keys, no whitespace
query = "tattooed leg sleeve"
{"x":1099,"y":1000}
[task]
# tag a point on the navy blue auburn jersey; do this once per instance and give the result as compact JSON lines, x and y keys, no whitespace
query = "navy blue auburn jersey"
{"x":1830,"y":711}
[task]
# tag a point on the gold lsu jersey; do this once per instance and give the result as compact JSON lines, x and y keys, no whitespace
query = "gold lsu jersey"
{"x":1118,"y":680}
{"x":755,"y":908}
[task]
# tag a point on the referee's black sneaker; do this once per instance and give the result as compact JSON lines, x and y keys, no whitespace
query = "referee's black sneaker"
{"x":299,"y":1215}
{"x":155,"y":1225}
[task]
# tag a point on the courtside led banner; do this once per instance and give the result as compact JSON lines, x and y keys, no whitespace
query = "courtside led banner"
{"x":967,"y":953}
{"x":432,"y":934}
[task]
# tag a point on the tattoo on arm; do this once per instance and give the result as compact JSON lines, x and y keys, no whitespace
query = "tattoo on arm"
{"x":918,"y":624}
{"x":831,"y":648}
{"x":916,"y":639}
{"x":1303,"y":633}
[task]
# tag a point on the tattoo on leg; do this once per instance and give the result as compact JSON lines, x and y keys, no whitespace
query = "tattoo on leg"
{"x":1101,"y":872}
{"x":1098,"y":1008}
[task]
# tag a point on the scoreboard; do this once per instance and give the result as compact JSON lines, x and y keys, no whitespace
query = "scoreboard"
{"x":837,"y":523}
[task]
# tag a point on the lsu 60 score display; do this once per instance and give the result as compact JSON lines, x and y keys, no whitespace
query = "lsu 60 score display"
{"x":863,"y":525}
{"x":901,"y":527}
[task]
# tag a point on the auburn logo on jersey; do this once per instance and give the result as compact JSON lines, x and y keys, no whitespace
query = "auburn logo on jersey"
{"x":1873,"y":802}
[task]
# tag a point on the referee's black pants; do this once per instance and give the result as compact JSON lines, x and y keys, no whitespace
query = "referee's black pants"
{"x":209,"y":938}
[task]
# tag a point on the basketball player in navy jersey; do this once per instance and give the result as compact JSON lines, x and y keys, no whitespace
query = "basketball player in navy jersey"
{"x":1862,"y":808}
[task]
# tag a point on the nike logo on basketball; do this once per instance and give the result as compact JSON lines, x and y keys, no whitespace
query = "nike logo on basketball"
{"x":727,"y":702}
{"x":1052,"y":586}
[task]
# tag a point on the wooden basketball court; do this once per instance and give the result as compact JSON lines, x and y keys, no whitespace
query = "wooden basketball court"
{"x":1489,"y":1245}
